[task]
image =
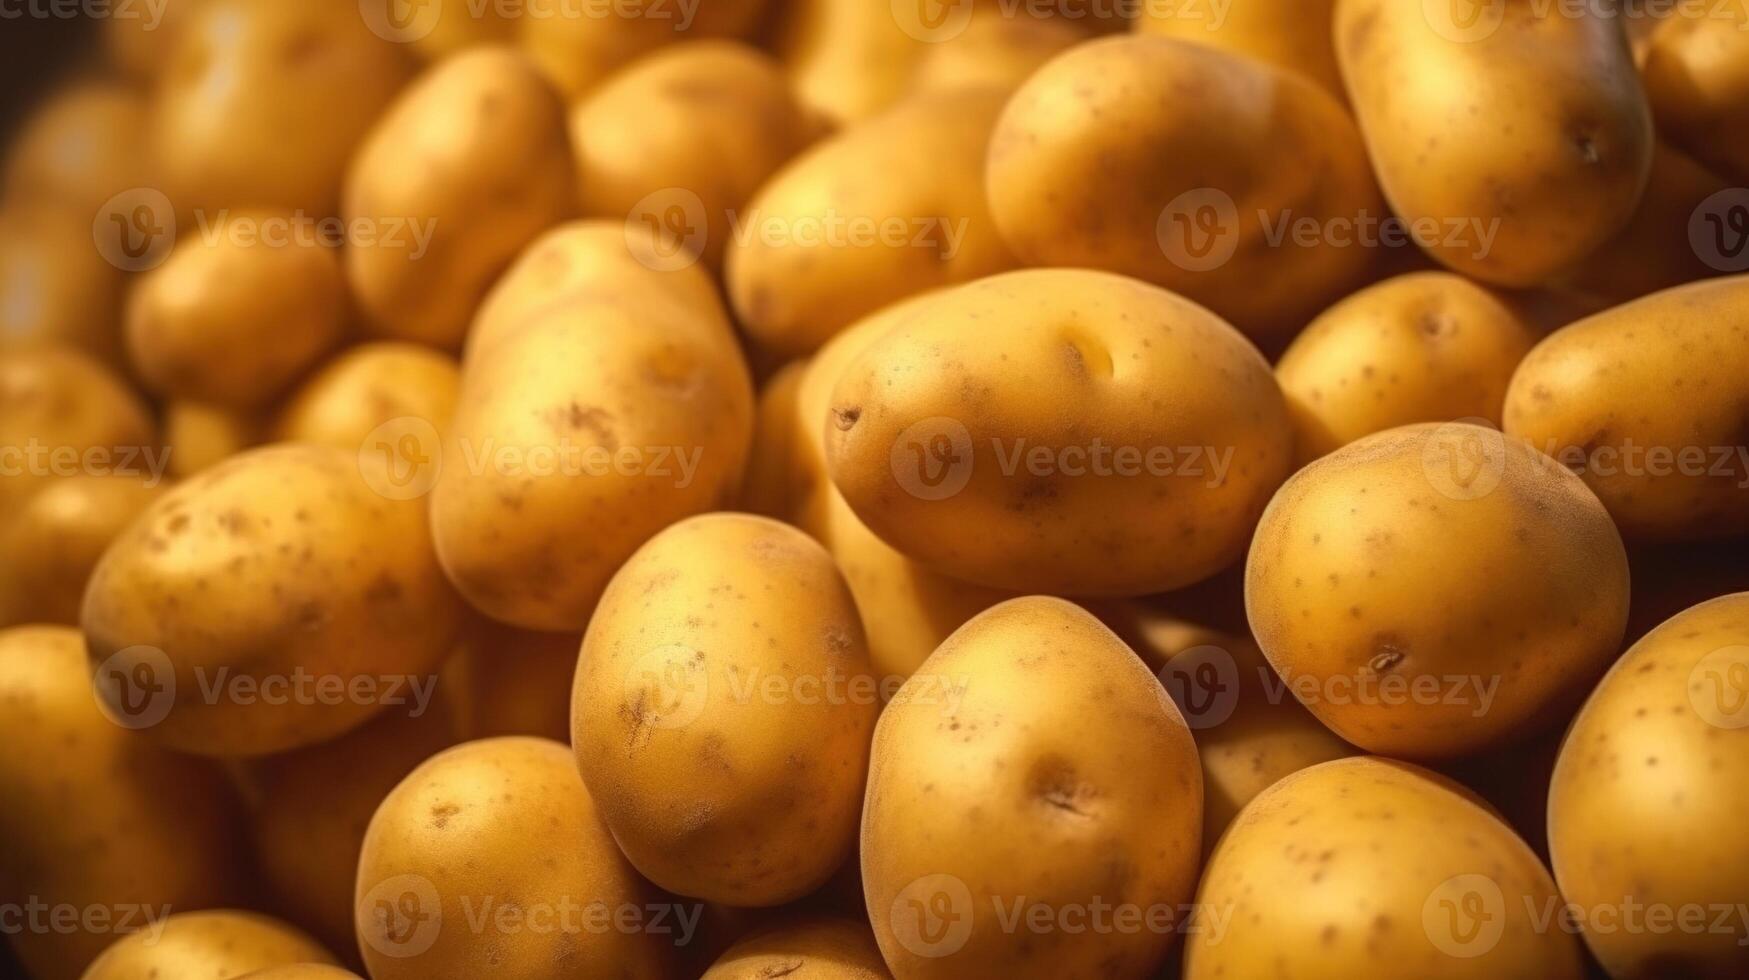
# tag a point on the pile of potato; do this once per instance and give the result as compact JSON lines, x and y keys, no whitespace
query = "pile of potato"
{"x":845,"y":489}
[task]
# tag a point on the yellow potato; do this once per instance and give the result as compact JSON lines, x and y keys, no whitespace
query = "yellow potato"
{"x":773,"y":485}
{"x":490,"y":860}
{"x":55,"y":288}
{"x":81,"y":149}
{"x":808,"y":949}
{"x":238,"y":313}
{"x":506,"y":681}
{"x":97,"y":820}
{"x":54,"y":539}
{"x":221,"y":944}
{"x":1650,"y":780}
{"x":367,"y":387}
{"x":198,"y":437}
{"x":1514,"y":146}
{"x":1649,"y":402}
{"x":437,"y":31}
{"x":140,"y":37}
{"x":1372,"y":867}
{"x":1291,"y":34}
{"x":461,"y":172}
{"x":1061,"y":431}
{"x":63,"y":414}
{"x":1164,"y":160}
{"x":994,"y":50}
{"x":1424,"y":347}
{"x":302,"y":971}
{"x":275,"y":601}
{"x":578,"y":45}
{"x":723,"y":708}
{"x":1418,"y":657}
{"x":1034,"y":768}
{"x":847,"y":59}
{"x":887,"y":208}
{"x":1696,"y":72}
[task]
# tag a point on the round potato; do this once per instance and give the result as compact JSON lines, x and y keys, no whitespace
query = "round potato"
{"x":1424,"y":347}
{"x":367,"y":387}
{"x":1032,"y":767}
{"x":1372,"y":867}
{"x":1512,"y":147}
{"x":809,"y":949}
{"x":198,"y":437}
{"x":53,"y":541}
{"x":275,"y":601}
{"x":55,"y":288}
{"x":63,"y":414}
{"x":221,"y":944}
{"x":1291,"y":34}
{"x":1524,"y":607}
{"x":1696,"y":72}
{"x":1162,"y":160}
{"x":467,"y":167}
{"x":506,"y":681}
{"x":81,"y":149}
{"x":1649,"y":403}
{"x":578,"y":45}
{"x":1061,"y":431}
{"x":489,"y":860}
{"x":727,"y":753}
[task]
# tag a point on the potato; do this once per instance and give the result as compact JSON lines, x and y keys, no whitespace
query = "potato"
{"x":141,"y":42}
{"x":55,"y":288}
{"x":367,"y":387}
{"x":888,"y":208}
{"x":220,"y":944}
{"x":847,"y":59}
{"x":1061,"y":431}
{"x":1649,"y":403}
{"x":723,"y":708}
{"x":1525,"y":606}
{"x":80,"y":149}
{"x":808,"y":949}
{"x":275,"y":601}
{"x":1514,"y":146}
{"x":1372,"y":867}
{"x":490,"y":860}
{"x":263,"y":102}
{"x":97,"y":820}
{"x":462,"y":171}
{"x":682,"y":139}
{"x":1696,"y":73}
{"x":1291,"y":34}
{"x":434,"y":36}
{"x":616,"y":415}
{"x":54,"y":539}
{"x":578,"y":45}
{"x":302,"y":971}
{"x":1031,"y":767}
{"x":238,"y":314}
{"x":1424,"y":347}
{"x":63,"y":414}
{"x":773,"y":485}
{"x":995,"y":49}
{"x":199,"y":437}
{"x":1650,"y":773}
{"x":505,"y":681}
{"x":1101,"y":160}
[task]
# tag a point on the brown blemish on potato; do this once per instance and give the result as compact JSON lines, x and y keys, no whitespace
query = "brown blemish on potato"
{"x":846,"y":418}
{"x":441,"y":812}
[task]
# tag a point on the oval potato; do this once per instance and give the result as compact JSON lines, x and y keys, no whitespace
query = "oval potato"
{"x":579,"y":45}
{"x":221,"y":944}
{"x":1696,"y":71}
{"x":198,"y":437}
{"x":809,"y":949}
{"x":361,"y":390}
{"x":55,"y":289}
{"x":53,"y":541}
{"x":63,"y":414}
{"x":1291,"y":34}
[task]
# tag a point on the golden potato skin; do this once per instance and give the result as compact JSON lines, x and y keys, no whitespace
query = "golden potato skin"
{"x":1291,"y":34}
{"x":81,"y":149}
{"x":1524,"y":607}
{"x":1423,"y":347}
{"x":473,"y":159}
{"x":506,"y":681}
{"x":62,"y":413}
{"x":809,"y":949}
{"x":995,"y":50}
{"x":141,"y":46}
{"x":302,"y":971}
{"x":53,"y":541}
{"x":490,"y":825}
{"x":198,"y":437}
{"x":821,"y":246}
{"x":1651,"y":772}
{"x":1061,"y":361}
{"x":1534,"y":134}
{"x":1665,"y":375}
{"x":222,"y":943}
{"x":714,"y":789}
{"x":55,"y":288}
{"x":366,"y":387}
{"x":847,"y":59}
{"x":582,"y":45}
{"x":1365,"y":867}
{"x":773,"y":485}
{"x":1696,"y":72}
{"x":1113,"y":155}
{"x":282,"y":566}
{"x":1057,"y":772}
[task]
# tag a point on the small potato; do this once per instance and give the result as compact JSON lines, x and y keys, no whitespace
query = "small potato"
{"x":55,"y":538}
{"x":489,"y":860}
{"x":506,"y":681}
{"x":1512,"y":147}
{"x":723,"y":708}
{"x":55,"y":288}
{"x":847,"y":59}
{"x":198,"y":437}
{"x":1032,"y":765}
{"x":1372,"y":867}
{"x":1524,"y":607}
{"x":221,"y":944}
{"x":994,"y":50}
{"x":283,"y":581}
{"x":809,"y":949}
{"x":1425,"y":347}
{"x":233,"y":317}
{"x":773,"y":485}
{"x":887,"y":208}
{"x":1649,"y":403}
{"x":1061,"y":431}
{"x":1291,"y":34}
{"x":683,"y":138}
{"x":367,"y":387}
{"x":1696,"y":72}
{"x":63,"y":414}
{"x":97,"y":818}
{"x":1164,"y":160}
{"x":79,"y":150}
{"x":579,"y":45}
{"x":1647,"y":792}
{"x":462,"y":171}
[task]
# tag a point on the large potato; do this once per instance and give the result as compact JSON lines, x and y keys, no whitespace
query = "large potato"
{"x":63,"y":414}
{"x":489,"y":860}
{"x":1649,"y":403}
{"x":97,"y":820}
{"x":1165,"y":160}
{"x":1696,"y":71}
{"x":276,"y":600}
{"x":1424,"y":347}
{"x":55,"y":288}
{"x":220,"y":945}
{"x":1523,"y":608}
{"x":1647,"y":791}
{"x":578,"y":45}
{"x":1061,"y":431}
{"x":1291,"y":34}
{"x":1032,"y":767}
{"x":723,"y":709}
{"x":808,"y":949}
{"x":467,"y":167}
{"x":1372,"y":867}
{"x":1519,"y":143}
{"x":887,"y":208}
{"x":54,"y":539}
{"x":367,"y":387}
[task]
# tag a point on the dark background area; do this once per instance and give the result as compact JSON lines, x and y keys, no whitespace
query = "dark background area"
{"x":35,"y":54}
